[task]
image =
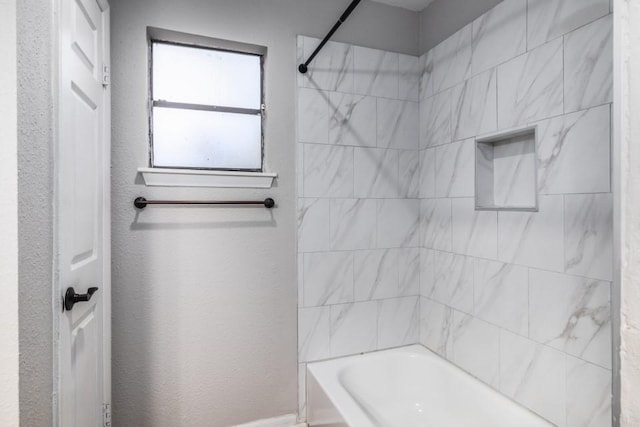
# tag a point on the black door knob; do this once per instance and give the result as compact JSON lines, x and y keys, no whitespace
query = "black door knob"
{"x":71,"y":298}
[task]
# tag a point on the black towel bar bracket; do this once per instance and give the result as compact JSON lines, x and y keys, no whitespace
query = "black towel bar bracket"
{"x":141,"y":202}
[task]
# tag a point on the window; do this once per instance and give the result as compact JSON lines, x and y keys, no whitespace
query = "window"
{"x":206,"y":103}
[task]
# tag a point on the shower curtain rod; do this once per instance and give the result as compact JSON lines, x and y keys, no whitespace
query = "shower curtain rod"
{"x":142,"y":203}
{"x":303,"y":67}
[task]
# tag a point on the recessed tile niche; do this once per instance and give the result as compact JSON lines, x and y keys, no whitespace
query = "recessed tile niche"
{"x":506,"y":171}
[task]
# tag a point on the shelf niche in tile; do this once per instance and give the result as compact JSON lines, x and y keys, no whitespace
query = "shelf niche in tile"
{"x":506,"y":171}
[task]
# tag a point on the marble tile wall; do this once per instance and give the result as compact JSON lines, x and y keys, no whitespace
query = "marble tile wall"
{"x":521,"y":300}
{"x":358,"y":208}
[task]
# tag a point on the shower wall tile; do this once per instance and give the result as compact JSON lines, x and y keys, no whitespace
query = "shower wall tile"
{"x":454,"y":167}
{"x":530,"y":87}
{"x":571,"y":314}
{"x":398,"y":223}
{"x":426,"y":72}
{"x":548,"y":19}
{"x":350,"y":119}
{"x":398,"y":124}
{"x":533,"y":239}
{"x":453,"y":281}
{"x":533,"y":375}
{"x":328,"y":278}
{"x":408,"y":272}
{"x":574,"y":152}
{"x":474,"y":106}
{"x":313,"y":224}
{"x":499,"y":35}
{"x":331,"y":69}
{"x":474,"y":232}
{"x":302,"y":391}
{"x":375,"y":274}
{"x":435,"y":120}
{"x":398,"y":322}
{"x":409,"y":174}
{"x":313,"y":333}
{"x":588,"y":61}
{"x":427,"y":275}
{"x":328,"y":171}
{"x":427,"y":173}
{"x":353,"y":328}
{"x":476,"y":347}
{"x":435,"y":223}
{"x":313,"y":116}
{"x":353,"y":224}
{"x":589,"y":235}
{"x":588,"y":394}
{"x":436,"y":327}
{"x":409,"y":83}
{"x":501,"y":295}
{"x":452,"y":60}
{"x":376,"y":172}
{"x":376,"y":72}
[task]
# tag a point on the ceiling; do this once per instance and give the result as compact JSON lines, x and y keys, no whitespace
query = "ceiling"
{"x":416,"y":5}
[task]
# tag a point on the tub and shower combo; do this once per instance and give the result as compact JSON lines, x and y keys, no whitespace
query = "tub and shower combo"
{"x":406,"y":387}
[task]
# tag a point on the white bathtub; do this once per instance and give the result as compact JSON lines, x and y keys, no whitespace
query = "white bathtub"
{"x":406,"y":387}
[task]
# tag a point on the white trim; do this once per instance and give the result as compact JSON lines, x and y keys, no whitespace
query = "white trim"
{"x":205,"y":178}
{"x":284,"y":421}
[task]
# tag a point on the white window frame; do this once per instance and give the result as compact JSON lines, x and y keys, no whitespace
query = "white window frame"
{"x":158,"y":35}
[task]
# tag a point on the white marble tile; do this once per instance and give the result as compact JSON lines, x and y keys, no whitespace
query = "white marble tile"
{"x":398,"y":124}
{"x":426,"y":70}
{"x":533,"y":375}
{"x":453,"y":281}
{"x":454,"y":169}
{"x":302,"y":391}
{"x":408,"y":272}
{"x":353,"y":224}
{"x":313,"y":225}
{"x":375,"y":274}
{"x":313,"y":116}
{"x":300,"y":170}
{"x":484,"y":177}
{"x":427,"y":173}
{"x":398,"y":322}
{"x":474,"y":106}
{"x":435,"y":119}
{"x":332,"y":68}
{"x":476,"y":347}
{"x":328,"y":278}
{"x":427,"y":272}
{"x":588,"y":65}
{"x":514,"y":172}
{"x":530,"y":86}
{"x":353,"y":328}
{"x":300,"y":58}
{"x":574,"y":153}
{"x":499,"y":35}
{"x":501,"y":295}
{"x":300,"y":276}
{"x":571,"y":314}
{"x":436,"y":327}
{"x":409,"y":174}
{"x":352,"y":119}
{"x":409,"y":84}
{"x":474,"y":232}
{"x":435,"y":224}
{"x":588,"y":228}
{"x":398,"y":223}
{"x":452,"y":60}
{"x":328,"y":171}
{"x":588,"y":394}
{"x":376,"y":172}
{"x":376,"y":72}
{"x":313,"y":333}
{"x":548,"y":19}
{"x":533,"y":239}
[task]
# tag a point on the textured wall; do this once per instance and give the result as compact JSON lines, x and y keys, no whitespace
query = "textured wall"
{"x":522,"y":300}
{"x":35,"y":187}
{"x":9,"y":399}
{"x":358,"y":212}
{"x":204,"y":299}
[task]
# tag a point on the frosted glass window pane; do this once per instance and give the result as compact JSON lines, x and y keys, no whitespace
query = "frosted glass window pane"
{"x":204,"y":76}
{"x":206,"y":139}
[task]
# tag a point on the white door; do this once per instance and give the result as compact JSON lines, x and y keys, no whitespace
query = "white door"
{"x":82,"y":214}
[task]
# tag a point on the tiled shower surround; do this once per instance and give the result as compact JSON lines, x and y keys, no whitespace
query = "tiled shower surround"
{"x":391,"y":248}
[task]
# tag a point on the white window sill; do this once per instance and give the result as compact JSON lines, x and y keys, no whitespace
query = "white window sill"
{"x":159,"y":177}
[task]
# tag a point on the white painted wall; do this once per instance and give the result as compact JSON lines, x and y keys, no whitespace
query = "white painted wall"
{"x":9,"y":404}
{"x":627,"y":132}
{"x":204,"y":299}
